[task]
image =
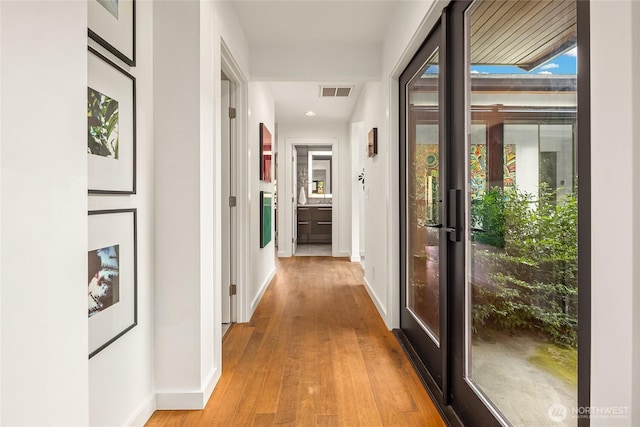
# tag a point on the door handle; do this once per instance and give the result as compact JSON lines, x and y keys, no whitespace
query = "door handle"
{"x":447,"y":229}
{"x":455,"y":215}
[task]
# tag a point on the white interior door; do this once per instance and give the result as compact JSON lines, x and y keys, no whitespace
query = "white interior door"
{"x":294,"y":199}
{"x":226,"y":209}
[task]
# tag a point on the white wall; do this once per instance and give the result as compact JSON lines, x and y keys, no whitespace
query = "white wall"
{"x":230,"y":30}
{"x":308,"y":133}
{"x":358,"y":137}
{"x":525,"y":138}
{"x":376,"y":223}
{"x":45,"y":368}
{"x":121,"y":383}
{"x":614,"y":334}
{"x":635,"y":375}
{"x":1,"y":118}
{"x":178,"y":180}
{"x":261,"y":110}
{"x":410,"y":26}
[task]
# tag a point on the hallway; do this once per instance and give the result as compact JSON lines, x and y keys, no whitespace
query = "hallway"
{"x":316,"y":352}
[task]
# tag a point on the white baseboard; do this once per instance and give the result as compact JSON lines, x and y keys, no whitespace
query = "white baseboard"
{"x":144,"y":412}
{"x":211,"y":384}
{"x":344,"y":254}
{"x":189,"y":400}
{"x":181,"y":401}
{"x":263,"y":288}
{"x":375,"y":299}
{"x":283,"y":254}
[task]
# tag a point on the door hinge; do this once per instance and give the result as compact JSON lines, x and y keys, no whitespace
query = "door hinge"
{"x":232,"y":201}
{"x":232,"y":113}
{"x":233,"y":290}
{"x":292,"y":240}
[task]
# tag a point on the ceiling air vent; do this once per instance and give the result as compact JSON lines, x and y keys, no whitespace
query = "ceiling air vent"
{"x":335,"y":91}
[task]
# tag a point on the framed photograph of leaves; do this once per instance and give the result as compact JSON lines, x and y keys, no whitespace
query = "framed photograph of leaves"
{"x":112,"y":23}
{"x":111,"y":127}
{"x":111,"y":276}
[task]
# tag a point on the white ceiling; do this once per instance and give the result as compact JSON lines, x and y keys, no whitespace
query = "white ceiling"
{"x":314,"y":26}
{"x":314,"y":21}
{"x":293,"y":99}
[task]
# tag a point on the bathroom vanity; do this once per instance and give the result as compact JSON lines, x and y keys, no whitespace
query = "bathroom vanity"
{"x":314,"y":223}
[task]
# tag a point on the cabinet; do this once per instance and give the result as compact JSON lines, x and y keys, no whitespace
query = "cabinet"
{"x":314,"y":224}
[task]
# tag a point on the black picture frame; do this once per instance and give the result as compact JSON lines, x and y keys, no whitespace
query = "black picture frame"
{"x":102,"y":72}
{"x":108,"y":30}
{"x":111,"y":312}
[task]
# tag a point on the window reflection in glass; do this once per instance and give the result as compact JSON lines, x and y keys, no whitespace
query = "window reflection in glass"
{"x":423,"y":165}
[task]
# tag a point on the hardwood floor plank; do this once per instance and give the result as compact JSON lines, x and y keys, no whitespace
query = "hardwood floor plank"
{"x":327,"y":420}
{"x":316,"y":352}
{"x":368,"y":412}
{"x":263,"y":420}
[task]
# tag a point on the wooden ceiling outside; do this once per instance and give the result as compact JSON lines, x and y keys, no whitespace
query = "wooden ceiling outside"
{"x":525,"y":33}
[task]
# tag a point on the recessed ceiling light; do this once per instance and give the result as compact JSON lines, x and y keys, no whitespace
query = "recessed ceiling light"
{"x":310,"y":113}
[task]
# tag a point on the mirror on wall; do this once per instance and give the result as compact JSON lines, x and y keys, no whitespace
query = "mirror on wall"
{"x":319,"y":171}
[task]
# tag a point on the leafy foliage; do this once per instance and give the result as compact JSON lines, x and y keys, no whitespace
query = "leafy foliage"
{"x":487,"y":217}
{"x":529,"y":254}
{"x":102,"y":117}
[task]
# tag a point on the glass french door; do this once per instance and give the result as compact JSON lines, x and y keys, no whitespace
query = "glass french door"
{"x":490,"y":277}
{"x":423,"y":207}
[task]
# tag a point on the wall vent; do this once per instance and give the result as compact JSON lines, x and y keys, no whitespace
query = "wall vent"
{"x":335,"y":91}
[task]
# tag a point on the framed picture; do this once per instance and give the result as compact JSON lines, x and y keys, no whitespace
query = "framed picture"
{"x":111,"y":127}
{"x":265,"y":153}
{"x":266,"y":199}
{"x":112,"y":23}
{"x":112,"y":277}
{"x":373,"y":142}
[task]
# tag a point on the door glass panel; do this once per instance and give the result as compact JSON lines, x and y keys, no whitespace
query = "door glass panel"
{"x":522,"y":286}
{"x":423,"y":166}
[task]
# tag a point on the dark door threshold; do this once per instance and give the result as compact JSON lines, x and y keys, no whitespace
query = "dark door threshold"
{"x":446,"y":411}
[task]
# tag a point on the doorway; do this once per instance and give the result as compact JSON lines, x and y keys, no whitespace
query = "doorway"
{"x":228,"y":202}
{"x":313,"y":165}
{"x":489,"y":154}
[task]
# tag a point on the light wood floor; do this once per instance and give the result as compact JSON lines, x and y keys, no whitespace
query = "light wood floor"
{"x":316,"y":353}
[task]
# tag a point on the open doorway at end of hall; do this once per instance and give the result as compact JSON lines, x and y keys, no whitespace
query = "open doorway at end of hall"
{"x":312,"y":186}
